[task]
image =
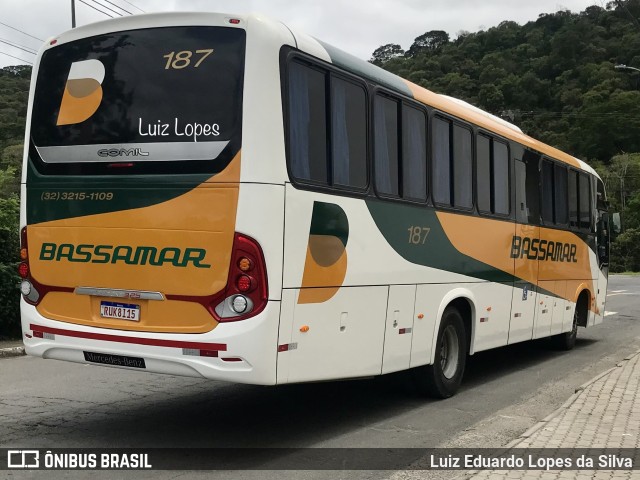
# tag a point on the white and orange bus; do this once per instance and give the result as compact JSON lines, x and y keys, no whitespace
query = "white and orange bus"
{"x":221,"y":196}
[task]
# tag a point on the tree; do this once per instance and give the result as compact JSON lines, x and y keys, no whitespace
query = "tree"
{"x":383,"y":54}
{"x":9,"y":280}
{"x":429,"y":42}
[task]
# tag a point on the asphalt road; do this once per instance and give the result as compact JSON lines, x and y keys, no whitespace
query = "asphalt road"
{"x":51,"y":404}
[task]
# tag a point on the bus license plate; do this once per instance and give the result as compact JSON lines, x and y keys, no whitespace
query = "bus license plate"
{"x":122,"y":311}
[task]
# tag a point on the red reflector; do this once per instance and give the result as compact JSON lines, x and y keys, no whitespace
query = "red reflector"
{"x":53,"y":42}
{"x":120,"y":165}
{"x":244,"y":283}
{"x":23,"y":270}
{"x":38,"y":334}
{"x":231,"y":359}
{"x":287,"y":347}
{"x":208,"y":353}
{"x":234,"y":21}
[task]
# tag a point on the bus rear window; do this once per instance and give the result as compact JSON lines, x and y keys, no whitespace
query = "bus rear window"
{"x":149,"y":95}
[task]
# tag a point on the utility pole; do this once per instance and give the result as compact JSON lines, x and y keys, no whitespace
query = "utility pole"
{"x":73,"y":13}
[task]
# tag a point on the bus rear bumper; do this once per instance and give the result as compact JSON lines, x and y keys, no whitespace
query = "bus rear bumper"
{"x":241,"y":352}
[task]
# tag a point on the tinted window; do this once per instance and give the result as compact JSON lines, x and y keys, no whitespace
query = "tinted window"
{"x":386,"y":145}
{"x":307,"y":123}
{"x":492,"y":174}
{"x":547,"y":192}
{"x":585,"y":202}
{"x":560,"y":195}
{"x":462,"y":168}
{"x":348,"y":134}
{"x":520,"y":171}
{"x":140,"y":89}
{"x":483,"y":173}
{"x":414,"y":153}
{"x":573,"y":198}
{"x":327,"y":128}
{"x":533,"y":188}
{"x":441,"y":161}
{"x":501,"y":178}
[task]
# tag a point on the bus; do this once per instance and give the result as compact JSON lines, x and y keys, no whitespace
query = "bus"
{"x":221,"y":196}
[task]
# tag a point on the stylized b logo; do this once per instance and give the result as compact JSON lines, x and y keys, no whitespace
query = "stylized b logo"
{"x":82,"y":93}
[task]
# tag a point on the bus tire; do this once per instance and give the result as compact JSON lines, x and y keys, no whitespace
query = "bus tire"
{"x":567,"y":340}
{"x":443,"y":378}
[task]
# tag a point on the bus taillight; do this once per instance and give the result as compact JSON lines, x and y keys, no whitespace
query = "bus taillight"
{"x":27,"y":289}
{"x":246,"y":292}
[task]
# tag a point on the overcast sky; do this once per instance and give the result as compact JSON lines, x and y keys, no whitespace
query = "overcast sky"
{"x":359,"y":27}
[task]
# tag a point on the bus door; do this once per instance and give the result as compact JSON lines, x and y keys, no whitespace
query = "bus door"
{"x":527,"y":233}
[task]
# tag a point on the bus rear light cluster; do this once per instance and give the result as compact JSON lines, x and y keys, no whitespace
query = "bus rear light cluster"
{"x":246,"y":292}
{"x":27,"y":288}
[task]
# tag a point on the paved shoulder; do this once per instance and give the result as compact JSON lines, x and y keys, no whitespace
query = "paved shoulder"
{"x":603,"y":413}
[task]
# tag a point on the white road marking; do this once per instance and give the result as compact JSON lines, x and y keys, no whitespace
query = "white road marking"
{"x":617,"y":291}
{"x":621,"y":293}
{"x":606,"y":314}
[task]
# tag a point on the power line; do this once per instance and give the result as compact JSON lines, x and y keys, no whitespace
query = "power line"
{"x":17,"y":58}
{"x":624,"y":7}
{"x":19,"y":47}
{"x":110,"y":9}
{"x":97,"y":9}
{"x":117,"y":6}
{"x":18,"y":30}
{"x":134,"y":6}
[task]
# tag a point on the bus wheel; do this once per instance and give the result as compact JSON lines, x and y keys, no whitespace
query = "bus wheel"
{"x":443,"y":378}
{"x":567,"y":340}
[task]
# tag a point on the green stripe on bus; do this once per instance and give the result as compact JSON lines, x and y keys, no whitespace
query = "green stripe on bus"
{"x":395,"y":221}
{"x":57,"y":197}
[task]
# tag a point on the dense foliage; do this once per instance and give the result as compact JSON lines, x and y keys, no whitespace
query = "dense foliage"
{"x":556,"y":78}
{"x":14,"y":92}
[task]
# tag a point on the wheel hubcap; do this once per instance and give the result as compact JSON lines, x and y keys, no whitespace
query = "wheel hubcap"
{"x":449,"y":350}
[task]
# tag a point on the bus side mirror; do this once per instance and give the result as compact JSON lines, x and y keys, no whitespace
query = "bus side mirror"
{"x":616,"y":223}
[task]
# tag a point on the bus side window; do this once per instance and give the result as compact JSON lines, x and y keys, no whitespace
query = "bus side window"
{"x":585,"y":203}
{"x":501,"y":191}
{"x":547,"y":192}
{"x":414,"y":153}
{"x":348,"y":134}
{"x":573,"y":199}
{"x":307,"y":124}
{"x":462,"y":168}
{"x":452,"y":164}
{"x":527,"y":189}
{"x":522,"y":210}
{"x":327,"y":128}
{"x":492,"y":176}
{"x":560,"y":195}
{"x":483,"y":173}
{"x":441,"y":161}
{"x":386,"y":155}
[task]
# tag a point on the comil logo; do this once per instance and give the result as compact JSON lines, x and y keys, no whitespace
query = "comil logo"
{"x":82,"y":93}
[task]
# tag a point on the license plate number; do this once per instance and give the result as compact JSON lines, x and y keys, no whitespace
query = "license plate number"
{"x":122,"y":311}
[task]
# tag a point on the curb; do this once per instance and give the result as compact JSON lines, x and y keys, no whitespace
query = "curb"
{"x":12,"y":352}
